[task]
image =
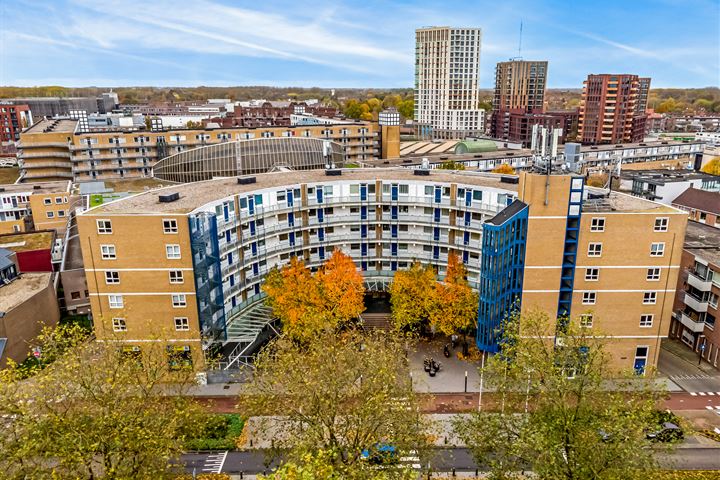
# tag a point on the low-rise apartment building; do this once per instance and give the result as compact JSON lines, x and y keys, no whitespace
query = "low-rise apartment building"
{"x":40,"y":206}
{"x":702,"y":206}
{"x":696,"y":304}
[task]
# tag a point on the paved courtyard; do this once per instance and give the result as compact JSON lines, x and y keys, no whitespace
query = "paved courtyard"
{"x":451,"y":377}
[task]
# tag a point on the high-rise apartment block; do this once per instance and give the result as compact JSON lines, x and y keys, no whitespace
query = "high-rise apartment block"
{"x":447,"y":79}
{"x":613,"y":108}
{"x":13,"y":118}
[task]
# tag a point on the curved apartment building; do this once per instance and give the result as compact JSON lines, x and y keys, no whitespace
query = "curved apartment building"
{"x":189,"y":260}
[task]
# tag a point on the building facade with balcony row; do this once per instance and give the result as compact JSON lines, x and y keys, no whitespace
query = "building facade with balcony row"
{"x":207,"y":246}
{"x":696,"y":305}
{"x":55,"y":150}
{"x":39,"y":206}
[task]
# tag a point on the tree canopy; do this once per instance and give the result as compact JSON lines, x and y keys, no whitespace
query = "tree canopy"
{"x":411,"y":296}
{"x":564,"y":411}
{"x":454,"y":303}
{"x":712,"y":167}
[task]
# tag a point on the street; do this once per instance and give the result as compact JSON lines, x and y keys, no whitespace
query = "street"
{"x":442,"y":460}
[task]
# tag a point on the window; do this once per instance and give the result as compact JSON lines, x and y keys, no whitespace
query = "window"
{"x":649,"y":298}
{"x":112,"y":277}
{"x":172,"y":251}
{"x":104,"y":227}
{"x":592,"y":274}
{"x":653,"y":273}
{"x":589,"y":298}
{"x":74,"y":295}
{"x":176,"y":276}
{"x":594,"y":249}
{"x":597,"y":224}
{"x":661,"y":224}
{"x":586,"y":320}
{"x":179,"y":300}
{"x":47,"y":201}
{"x":646,"y":320}
{"x":119,"y":325}
{"x":657,"y":249}
{"x":115,"y":301}
{"x":170,"y":226}
{"x":50,"y":214}
{"x":713,"y":300}
{"x":61,"y":213}
{"x":107,"y":252}
{"x":182,"y":324}
{"x":58,"y":200}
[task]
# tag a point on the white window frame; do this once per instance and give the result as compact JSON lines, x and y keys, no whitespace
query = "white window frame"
{"x":589,"y":298}
{"x":592,"y":274}
{"x":50,"y":214}
{"x":660,"y":252}
{"x":586,"y":320}
{"x":653,"y":274}
{"x":108,"y":256}
{"x":119,"y":324}
{"x":180,"y":279}
{"x":116,"y":301}
{"x":171,"y":227}
{"x":646,"y":320}
{"x":172,"y":251}
{"x":182,"y":324}
{"x":663,"y":224}
{"x":104,"y":228}
{"x":591,"y":252}
{"x":649,"y":298}
{"x":179,"y":300}
{"x":47,"y":201}
{"x":112,"y":277}
{"x":597,"y":224}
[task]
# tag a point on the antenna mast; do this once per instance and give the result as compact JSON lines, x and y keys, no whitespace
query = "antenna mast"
{"x":520,"y":42}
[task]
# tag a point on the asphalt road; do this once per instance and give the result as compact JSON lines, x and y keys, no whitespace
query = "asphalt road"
{"x":443,"y":460}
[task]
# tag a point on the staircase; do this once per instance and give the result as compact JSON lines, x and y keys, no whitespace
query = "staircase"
{"x":245,"y":329}
{"x":376,"y":321}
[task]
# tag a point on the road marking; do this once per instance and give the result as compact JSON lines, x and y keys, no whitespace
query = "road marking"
{"x":693,"y":394}
{"x":214,"y":462}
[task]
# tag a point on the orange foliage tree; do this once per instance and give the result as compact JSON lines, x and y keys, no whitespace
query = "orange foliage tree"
{"x":504,"y":168}
{"x":307,"y":304}
{"x":454,"y":302}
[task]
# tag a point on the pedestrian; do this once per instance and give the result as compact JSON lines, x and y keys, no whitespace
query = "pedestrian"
{"x":453,"y":340}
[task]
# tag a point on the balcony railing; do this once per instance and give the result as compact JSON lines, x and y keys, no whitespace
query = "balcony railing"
{"x":695,"y":280}
{"x":689,"y":323}
{"x":696,"y":303}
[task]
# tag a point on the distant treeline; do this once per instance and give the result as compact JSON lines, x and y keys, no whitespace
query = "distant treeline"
{"x":686,"y":101}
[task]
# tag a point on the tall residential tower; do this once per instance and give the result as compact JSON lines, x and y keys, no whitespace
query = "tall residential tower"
{"x":447,"y":79}
{"x":613,"y":109}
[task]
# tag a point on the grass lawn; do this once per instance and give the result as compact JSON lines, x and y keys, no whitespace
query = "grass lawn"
{"x":9,"y":174}
{"x":96,"y":200}
{"x":220,"y":433}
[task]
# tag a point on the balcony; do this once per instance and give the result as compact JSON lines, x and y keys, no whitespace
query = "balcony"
{"x":689,"y":323}
{"x":696,"y":303}
{"x":698,"y":282}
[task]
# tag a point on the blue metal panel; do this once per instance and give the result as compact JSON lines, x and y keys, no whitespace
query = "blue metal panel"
{"x":436,"y":252}
{"x":394,"y":192}
{"x":572,"y":232}
{"x":501,"y":275}
{"x":363,"y":192}
{"x":468,"y":217}
{"x":320,"y":215}
{"x":468,"y":198}
{"x":319,"y":194}
{"x":291,"y":219}
{"x":363,"y":213}
{"x":291,"y":239}
{"x":394,"y":249}
{"x":363,"y":249}
{"x":436,"y":233}
{"x":466,"y":238}
{"x":363,"y":231}
{"x":394,"y":231}
{"x":321,"y":253}
{"x":438,"y":194}
{"x":251,"y":206}
{"x":321,"y":234}
{"x":290,"y":198}
{"x":394,"y":212}
{"x":436,"y":215}
{"x":252,"y":227}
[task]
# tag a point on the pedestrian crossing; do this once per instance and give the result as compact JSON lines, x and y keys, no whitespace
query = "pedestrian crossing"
{"x":704,"y":394}
{"x":411,"y":459}
{"x":715,"y":408}
{"x":699,"y":376}
{"x":214,"y":462}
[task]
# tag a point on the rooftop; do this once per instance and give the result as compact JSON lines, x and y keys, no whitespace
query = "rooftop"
{"x":661,"y":176}
{"x":63,"y":125}
{"x":194,"y":195}
{"x":22,"y":289}
{"x":40,"y":187}
{"x":602,"y":200}
{"x":699,"y":200}
{"x":73,"y":252}
{"x":703,"y":241}
{"x":29,"y":241}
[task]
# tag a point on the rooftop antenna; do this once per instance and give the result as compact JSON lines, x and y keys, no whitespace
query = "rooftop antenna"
{"x":520,"y":42}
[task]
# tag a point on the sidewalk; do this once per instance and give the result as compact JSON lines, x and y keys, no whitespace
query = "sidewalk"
{"x":683,"y":352}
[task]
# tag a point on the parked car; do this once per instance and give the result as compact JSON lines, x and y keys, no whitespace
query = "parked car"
{"x":668,"y":432}
{"x":380,"y":454}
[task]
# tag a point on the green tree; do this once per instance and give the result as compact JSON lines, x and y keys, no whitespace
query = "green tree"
{"x":487,"y":106}
{"x":333,"y":398}
{"x":411,"y":296}
{"x":452,"y":165}
{"x":352,"y":109}
{"x":564,"y":411}
{"x":97,"y":411}
{"x":407,"y":108}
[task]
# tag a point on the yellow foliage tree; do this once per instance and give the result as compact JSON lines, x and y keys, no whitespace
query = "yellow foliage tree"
{"x":504,"y":168}
{"x":411,"y":294}
{"x":341,"y":289}
{"x":454,"y":303}
{"x":712,"y":167}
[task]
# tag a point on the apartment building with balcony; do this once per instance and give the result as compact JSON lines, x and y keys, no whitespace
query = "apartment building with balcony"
{"x":696,"y":311}
{"x":612,"y":109}
{"x":55,"y":149}
{"x":13,"y":118}
{"x":207,"y":246}
{"x":447,"y":83}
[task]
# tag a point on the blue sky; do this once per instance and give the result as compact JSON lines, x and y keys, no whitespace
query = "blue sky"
{"x":345,"y":43}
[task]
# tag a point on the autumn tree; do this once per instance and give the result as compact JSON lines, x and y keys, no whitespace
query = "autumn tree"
{"x":411,"y":293}
{"x":562,"y":410}
{"x":352,"y":109}
{"x":308,"y":304}
{"x":336,"y":399}
{"x":98,"y":411}
{"x":454,"y":303}
{"x":451,"y":165}
{"x":712,"y":167}
{"x":407,"y":108}
{"x":504,"y":168}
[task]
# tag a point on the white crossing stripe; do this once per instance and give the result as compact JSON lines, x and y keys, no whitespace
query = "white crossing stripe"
{"x":693,"y":394}
{"x":708,"y":407}
{"x":214,"y":462}
{"x":702,"y":394}
{"x":711,"y":393}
